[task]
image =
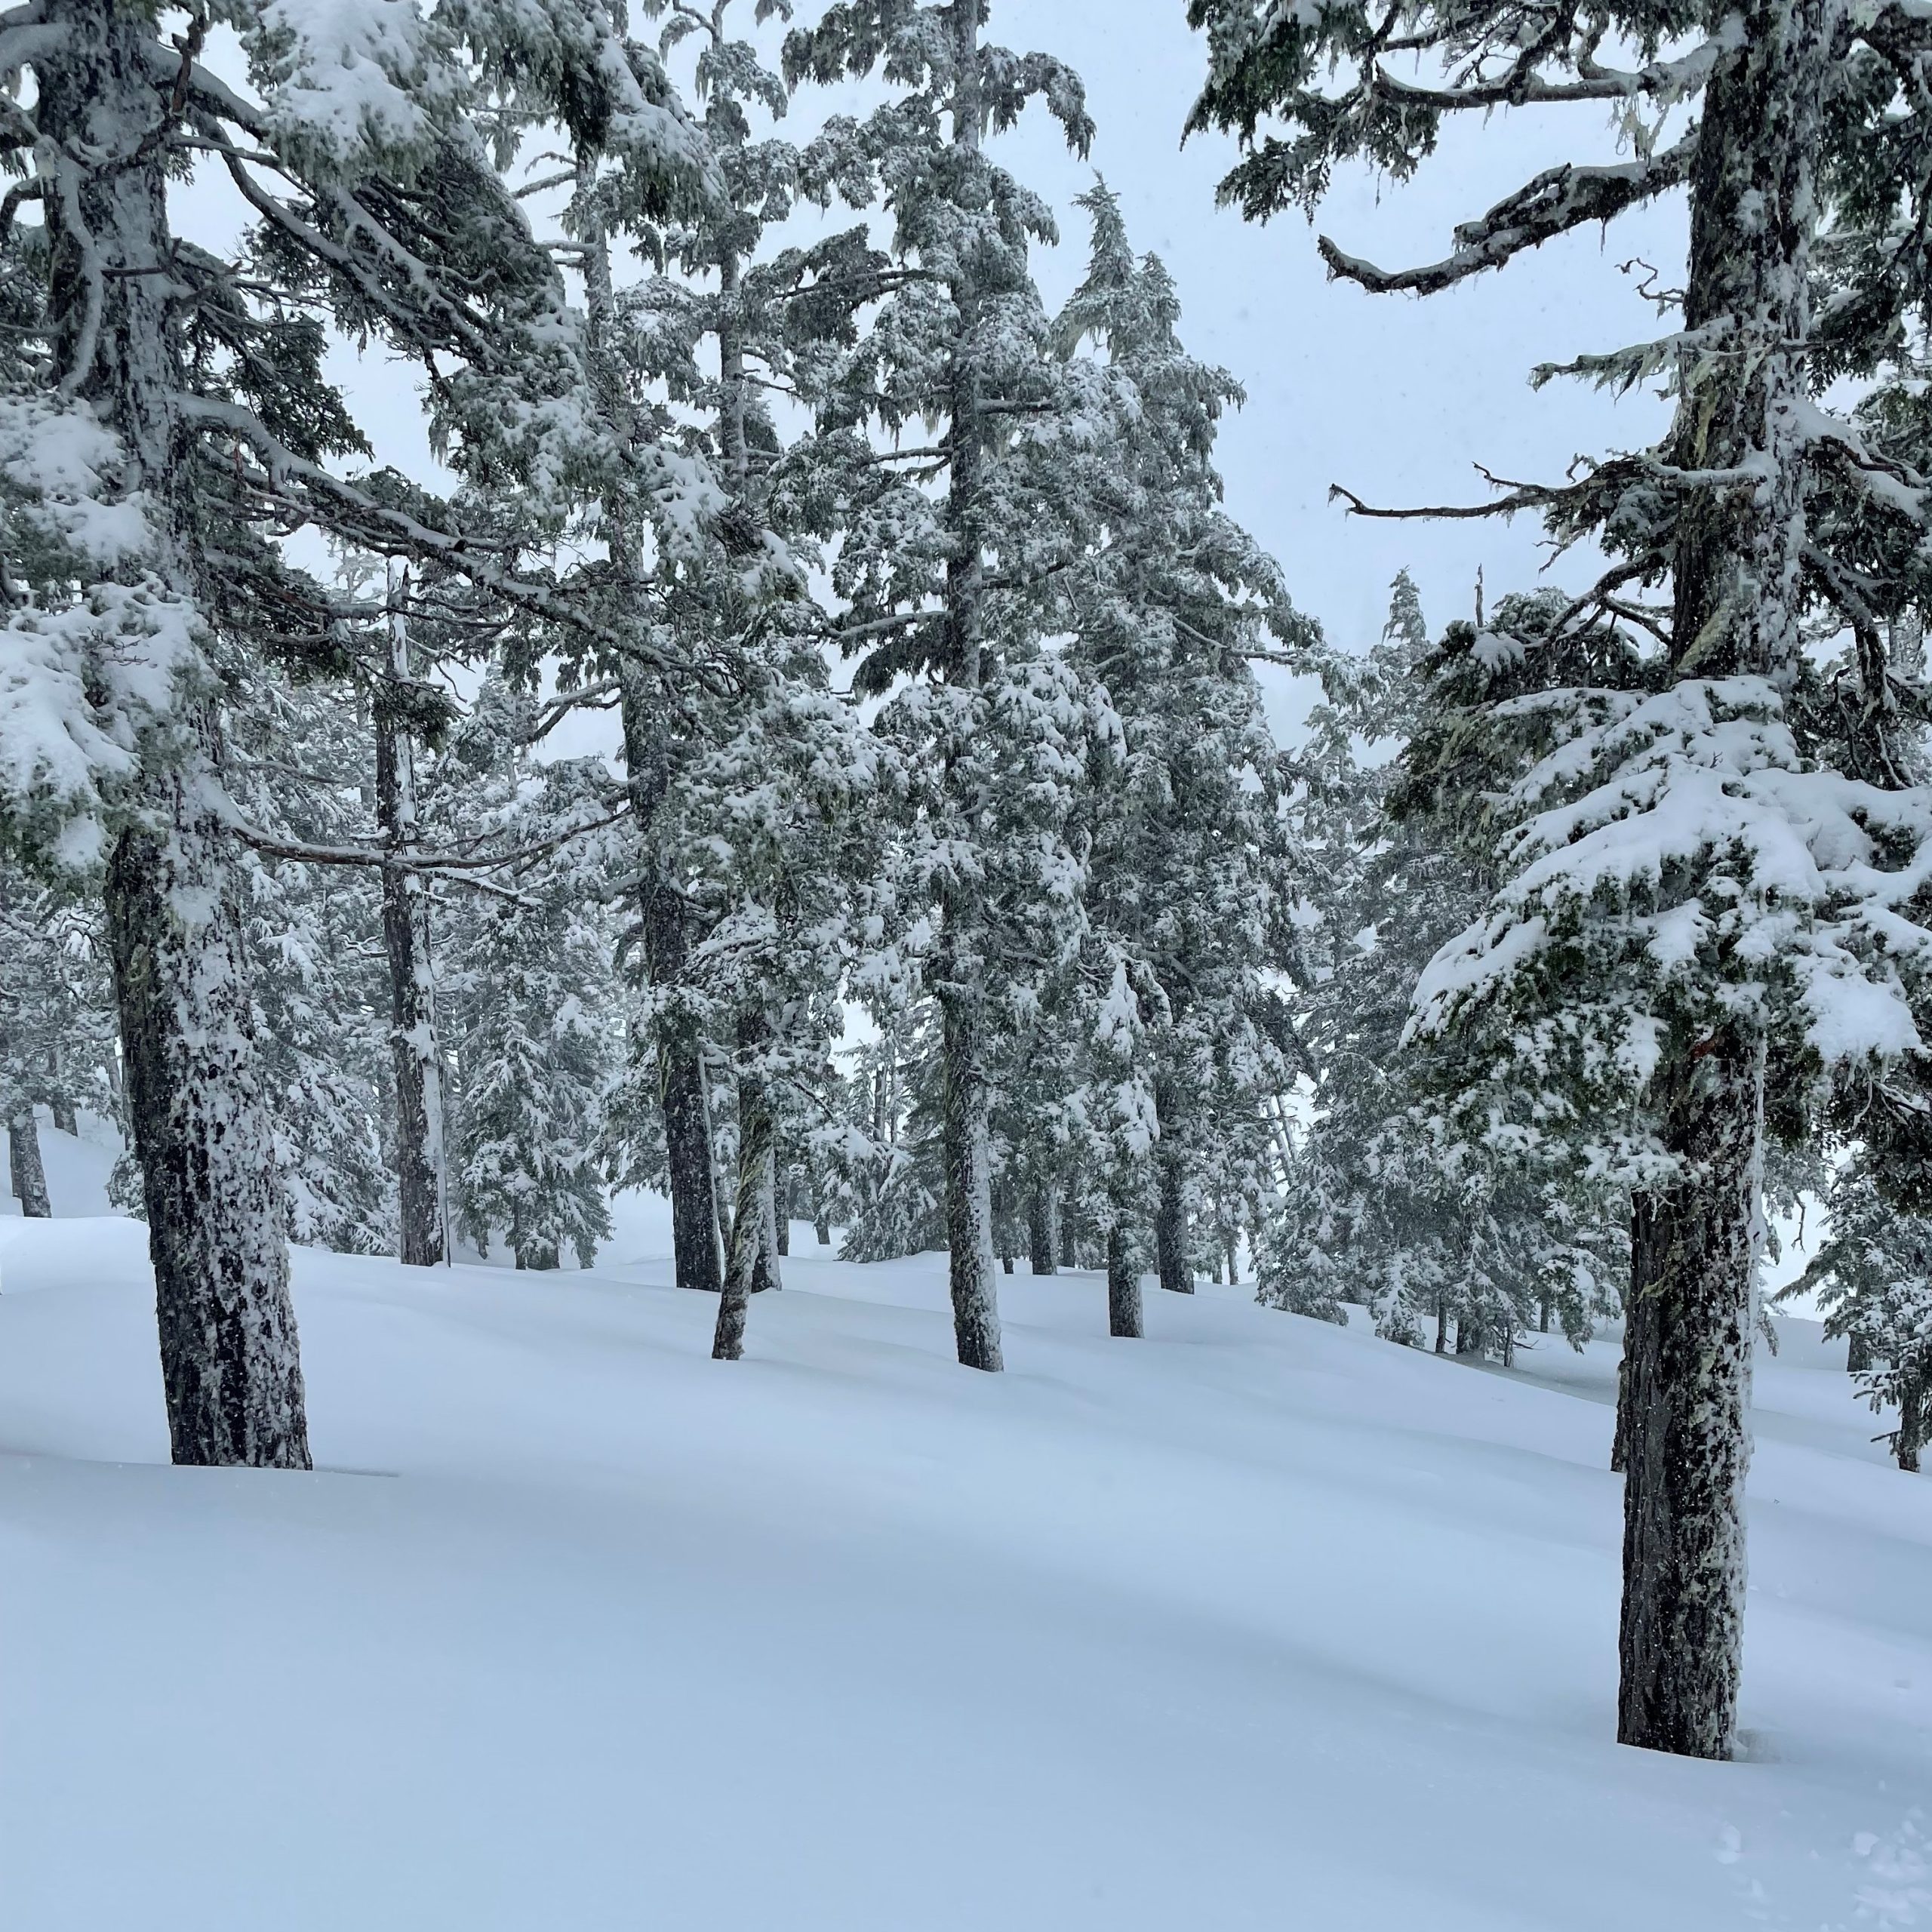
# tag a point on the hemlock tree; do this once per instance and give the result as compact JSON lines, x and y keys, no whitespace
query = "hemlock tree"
{"x":530,"y":990}
{"x":948,"y":587}
{"x":1191,"y":872}
{"x":158,"y":432}
{"x":1389,"y":1200}
{"x":295,"y":760}
{"x":56,"y":1023}
{"x":1873,"y":1278}
{"x":1688,"y":895}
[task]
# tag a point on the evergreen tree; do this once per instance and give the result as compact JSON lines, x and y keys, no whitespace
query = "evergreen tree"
{"x":1191,"y":874}
{"x":56,"y":1031}
{"x":158,"y":433}
{"x":1389,"y":1200}
{"x":946,"y":587}
{"x":528,"y":998}
{"x":1872,"y":1275}
{"x":1689,"y":897}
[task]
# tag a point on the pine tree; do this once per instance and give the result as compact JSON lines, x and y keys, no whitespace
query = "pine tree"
{"x":945,"y":588}
{"x":1675,"y":840}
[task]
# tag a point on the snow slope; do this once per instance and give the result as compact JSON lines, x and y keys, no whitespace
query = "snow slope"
{"x":1258,"y":1623}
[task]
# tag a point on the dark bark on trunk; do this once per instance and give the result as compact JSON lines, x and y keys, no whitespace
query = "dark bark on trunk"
{"x":61,"y":1101}
{"x":1039,"y":1233}
{"x":1468,"y":1336}
{"x":1688,"y":1355}
{"x":968,"y":1194}
{"x":28,"y":1176}
{"x":648,"y":758}
{"x":1857,"y":1354}
{"x":1737,"y":576}
{"x":1543,"y":1316}
{"x":764,"y":1271}
{"x":1441,"y":1325}
{"x":688,"y":1155}
{"x":1915,"y":1401}
{"x":1170,"y":1254}
{"x":1170,"y":1232}
{"x":960,"y":976}
{"x":231,"y":1370}
{"x":415,"y":1053}
{"x":1123,"y":1312}
{"x":748,"y":1218}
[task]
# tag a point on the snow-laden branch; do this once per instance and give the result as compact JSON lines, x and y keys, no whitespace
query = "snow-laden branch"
{"x":414,"y":859}
{"x":381,"y":525}
{"x":1556,"y":201}
{"x":1522,"y":85}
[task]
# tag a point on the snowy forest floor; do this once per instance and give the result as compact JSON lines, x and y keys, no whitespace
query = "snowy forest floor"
{"x":1257,"y":1623}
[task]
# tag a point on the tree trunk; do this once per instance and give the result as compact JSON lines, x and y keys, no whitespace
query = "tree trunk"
{"x":1737,"y":581}
{"x":61,"y":1104}
{"x":969,"y":1204}
{"x":1468,"y":1336}
{"x":765,"y":1270}
{"x":787,"y":1199}
{"x":415,"y":1054}
{"x":1441,"y":1324}
{"x":960,"y":975}
{"x":687,"y":1156}
{"x":1543,"y":1316}
{"x":748,"y":1219}
{"x":1915,"y":1399}
{"x":647,"y":766}
{"x":230,"y":1367}
{"x":1694,"y":1264}
{"x":1124,"y":1314}
{"x":1039,"y":1232}
{"x":1170,"y":1254}
{"x":1858,"y":1353}
{"x":24,"y":1162}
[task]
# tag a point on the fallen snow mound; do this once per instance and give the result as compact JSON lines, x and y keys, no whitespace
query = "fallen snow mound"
{"x":1256,"y":1623}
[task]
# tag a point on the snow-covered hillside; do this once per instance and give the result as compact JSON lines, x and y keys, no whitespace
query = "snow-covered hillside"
{"x":1256,"y":1624}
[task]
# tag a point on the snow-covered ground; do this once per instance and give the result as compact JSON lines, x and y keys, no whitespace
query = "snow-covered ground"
{"x":1256,"y":1623}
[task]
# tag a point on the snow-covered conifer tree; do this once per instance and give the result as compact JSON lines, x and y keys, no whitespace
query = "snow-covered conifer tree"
{"x":1191,"y":872}
{"x":531,"y":996}
{"x":1687,"y":895}
{"x":1873,"y":1277}
{"x":1388,"y":1200}
{"x":158,"y":433}
{"x":949,"y":546}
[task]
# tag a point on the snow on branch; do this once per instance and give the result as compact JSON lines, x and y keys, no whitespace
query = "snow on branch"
{"x":1554,"y":202}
